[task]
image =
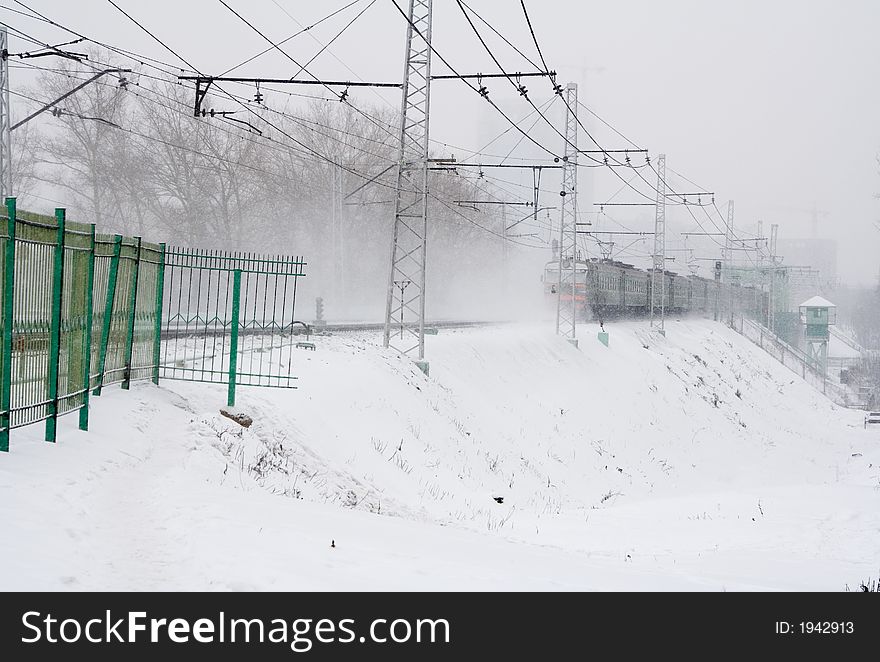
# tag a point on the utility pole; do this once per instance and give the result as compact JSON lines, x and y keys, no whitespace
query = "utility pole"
{"x":5,"y":120}
{"x":759,"y":264}
{"x":566,"y":310}
{"x":408,"y":244}
{"x":338,"y":241}
{"x":727,"y":280}
{"x":771,"y":297}
{"x":660,"y":245}
{"x":6,"y":125}
{"x":505,"y":256}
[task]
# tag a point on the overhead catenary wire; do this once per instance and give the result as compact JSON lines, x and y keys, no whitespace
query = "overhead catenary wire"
{"x":302,"y":121}
{"x":303,"y":69}
{"x":520,"y":88}
{"x":335,"y":37}
{"x":308,"y":150}
{"x":293,"y":36}
{"x":470,"y":85}
{"x":167,"y":68}
{"x":217,"y":157}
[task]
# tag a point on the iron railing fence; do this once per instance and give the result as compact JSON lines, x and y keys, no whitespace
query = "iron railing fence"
{"x":80,"y":311}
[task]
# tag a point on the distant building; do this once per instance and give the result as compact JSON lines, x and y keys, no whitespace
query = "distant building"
{"x":820,"y":254}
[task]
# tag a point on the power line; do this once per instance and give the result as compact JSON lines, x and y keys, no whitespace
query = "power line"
{"x":284,"y":41}
{"x":338,"y":34}
{"x":591,"y":112}
{"x":309,"y":150}
{"x":474,"y":89}
{"x":521,"y":89}
{"x":139,"y":58}
{"x":245,"y":106}
{"x":532,"y":31}
{"x":289,"y":57}
{"x":505,"y":39}
{"x":270,"y":174}
{"x":298,"y":120}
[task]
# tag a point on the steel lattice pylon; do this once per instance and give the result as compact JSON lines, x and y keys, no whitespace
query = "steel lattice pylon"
{"x":566,"y":303}
{"x":405,"y":303}
{"x":5,"y":121}
{"x":772,"y":294}
{"x":338,"y":242}
{"x":727,"y":273}
{"x":659,"y":265}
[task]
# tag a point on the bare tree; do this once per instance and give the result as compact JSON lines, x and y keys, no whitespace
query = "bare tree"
{"x":136,"y":161}
{"x":24,"y":161}
{"x":75,"y":158}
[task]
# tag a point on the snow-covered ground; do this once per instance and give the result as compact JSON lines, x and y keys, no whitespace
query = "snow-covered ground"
{"x":691,"y":462}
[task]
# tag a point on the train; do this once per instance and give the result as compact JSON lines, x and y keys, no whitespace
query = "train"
{"x":607,"y":289}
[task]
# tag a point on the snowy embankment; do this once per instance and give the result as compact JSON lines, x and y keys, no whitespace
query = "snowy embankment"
{"x":691,"y":462}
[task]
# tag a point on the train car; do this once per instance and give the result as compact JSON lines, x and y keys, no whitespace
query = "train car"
{"x":553,"y":283}
{"x":608,"y":289}
{"x":604,"y":280}
{"x":616,"y":289}
{"x":702,"y":297}
{"x":636,"y":284}
{"x":680,"y":297}
{"x":666,"y":291}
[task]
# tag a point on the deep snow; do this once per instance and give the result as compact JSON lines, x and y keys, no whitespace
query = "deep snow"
{"x":694,"y":461}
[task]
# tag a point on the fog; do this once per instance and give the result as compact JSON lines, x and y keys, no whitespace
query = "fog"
{"x":772,"y":105}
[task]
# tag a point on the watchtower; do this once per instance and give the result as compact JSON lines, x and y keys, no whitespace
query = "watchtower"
{"x":817,"y":314}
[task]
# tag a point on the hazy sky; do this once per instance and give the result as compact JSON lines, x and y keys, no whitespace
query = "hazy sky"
{"x":774,"y":104}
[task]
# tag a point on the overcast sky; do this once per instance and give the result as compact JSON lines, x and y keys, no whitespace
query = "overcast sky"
{"x":774,"y":104}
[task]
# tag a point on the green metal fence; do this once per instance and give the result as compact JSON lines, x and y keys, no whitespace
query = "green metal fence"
{"x":128,"y":284}
{"x":230,"y":318}
{"x":80,"y":311}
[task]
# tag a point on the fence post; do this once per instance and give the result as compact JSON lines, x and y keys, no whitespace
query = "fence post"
{"x":6,"y":340}
{"x":55,"y":329}
{"x":160,"y":295}
{"x":233,"y":344}
{"x":108,"y":310}
{"x":87,"y":335}
{"x":132,"y":305}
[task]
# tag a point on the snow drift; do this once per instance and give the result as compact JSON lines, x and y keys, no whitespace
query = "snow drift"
{"x":691,"y":461}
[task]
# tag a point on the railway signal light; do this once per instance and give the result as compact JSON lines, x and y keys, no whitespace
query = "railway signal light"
{"x":319,"y":309}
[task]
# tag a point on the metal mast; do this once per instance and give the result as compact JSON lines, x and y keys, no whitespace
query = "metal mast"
{"x":566,"y":305}
{"x":771,"y":297}
{"x":405,"y":303}
{"x":5,"y":120}
{"x":659,"y":270}
{"x":505,"y":254}
{"x":337,"y":231}
{"x":758,"y":280}
{"x":727,"y":280}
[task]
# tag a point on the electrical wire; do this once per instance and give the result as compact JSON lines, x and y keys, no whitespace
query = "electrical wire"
{"x":284,"y":41}
{"x":521,"y":89}
{"x":455,"y":72}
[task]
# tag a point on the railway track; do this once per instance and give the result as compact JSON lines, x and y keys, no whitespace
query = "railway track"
{"x":300,"y":328}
